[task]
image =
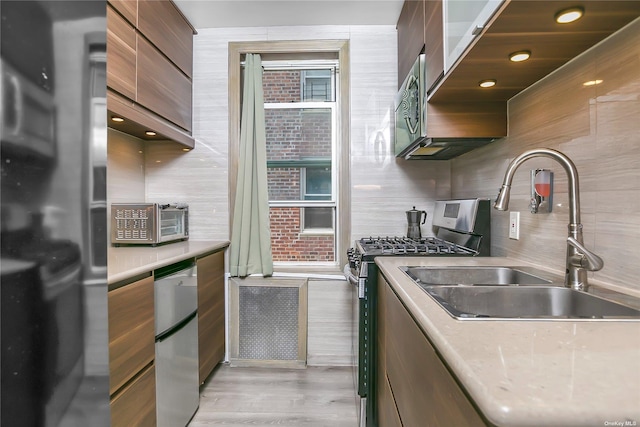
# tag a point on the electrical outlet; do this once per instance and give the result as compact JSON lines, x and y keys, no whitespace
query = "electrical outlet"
{"x":514,"y":225}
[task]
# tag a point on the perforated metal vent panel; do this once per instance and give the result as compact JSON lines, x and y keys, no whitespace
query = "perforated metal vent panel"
{"x":268,"y":328}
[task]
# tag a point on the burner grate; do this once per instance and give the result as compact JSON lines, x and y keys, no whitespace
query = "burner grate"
{"x":407,"y":246}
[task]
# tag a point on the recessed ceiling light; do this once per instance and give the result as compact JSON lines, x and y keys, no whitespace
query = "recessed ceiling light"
{"x":186,"y":149}
{"x":571,"y":14}
{"x":117,"y":119}
{"x":592,"y":82}
{"x":150,"y":133}
{"x":520,"y":56}
{"x":487,"y":83}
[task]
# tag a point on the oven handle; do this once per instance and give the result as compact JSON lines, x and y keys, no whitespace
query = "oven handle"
{"x":355,"y":281}
{"x":351,"y":278}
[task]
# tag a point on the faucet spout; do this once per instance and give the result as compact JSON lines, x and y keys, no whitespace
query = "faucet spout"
{"x":579,"y":259}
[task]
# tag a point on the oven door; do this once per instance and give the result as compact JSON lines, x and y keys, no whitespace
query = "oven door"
{"x":173,"y":224}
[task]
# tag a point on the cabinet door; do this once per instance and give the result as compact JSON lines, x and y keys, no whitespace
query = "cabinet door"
{"x":463,"y":21}
{"x":135,"y":405}
{"x":127,"y":8}
{"x":131,"y":331}
{"x":163,"y":24}
{"x":162,"y":88}
{"x":211,"y":309}
{"x":424,"y":390}
{"x":410,"y":36}
{"x":433,"y":39}
{"x":121,"y":54}
{"x":386,"y":404}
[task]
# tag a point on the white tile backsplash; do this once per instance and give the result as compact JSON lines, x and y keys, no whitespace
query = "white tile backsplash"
{"x":598,"y":127}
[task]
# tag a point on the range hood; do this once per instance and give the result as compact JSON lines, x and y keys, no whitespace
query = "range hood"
{"x":442,"y":148}
{"x":452,"y":129}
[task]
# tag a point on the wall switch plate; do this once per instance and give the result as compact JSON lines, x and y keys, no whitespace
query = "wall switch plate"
{"x":514,"y":225}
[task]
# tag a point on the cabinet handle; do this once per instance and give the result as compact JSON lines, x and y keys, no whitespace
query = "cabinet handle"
{"x":477,"y":30}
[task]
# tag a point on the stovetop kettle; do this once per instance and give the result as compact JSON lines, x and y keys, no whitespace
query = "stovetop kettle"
{"x":414,"y":219}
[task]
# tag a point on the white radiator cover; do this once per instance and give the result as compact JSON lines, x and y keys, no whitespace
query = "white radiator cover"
{"x":268,"y":322}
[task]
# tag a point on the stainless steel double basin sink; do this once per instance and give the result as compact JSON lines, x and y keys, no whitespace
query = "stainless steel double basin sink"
{"x":512,"y":293}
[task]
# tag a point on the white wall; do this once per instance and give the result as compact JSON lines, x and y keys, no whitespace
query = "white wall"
{"x":382,"y":188}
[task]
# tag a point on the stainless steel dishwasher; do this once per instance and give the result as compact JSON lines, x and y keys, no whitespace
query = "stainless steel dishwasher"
{"x":176,"y":319}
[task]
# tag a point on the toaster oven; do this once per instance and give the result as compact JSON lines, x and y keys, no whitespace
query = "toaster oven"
{"x":148,"y":223}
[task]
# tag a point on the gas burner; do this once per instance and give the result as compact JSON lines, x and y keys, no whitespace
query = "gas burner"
{"x":407,"y":246}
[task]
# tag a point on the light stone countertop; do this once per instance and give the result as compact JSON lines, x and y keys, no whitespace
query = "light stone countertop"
{"x":530,"y":372}
{"x":125,"y":262}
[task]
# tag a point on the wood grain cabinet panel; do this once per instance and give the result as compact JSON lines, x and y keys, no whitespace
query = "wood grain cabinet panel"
{"x":434,"y":43}
{"x":135,"y":405}
{"x":131,"y":331}
{"x":410,"y":36}
{"x":121,"y":54}
{"x":162,"y":88}
{"x":127,"y":8}
{"x":424,"y":390}
{"x":163,"y":24}
{"x":386,"y":404}
{"x":211,"y":310}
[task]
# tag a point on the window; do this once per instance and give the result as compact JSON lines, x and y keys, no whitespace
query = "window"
{"x":317,"y":85}
{"x":300,"y":116}
{"x":299,"y":237}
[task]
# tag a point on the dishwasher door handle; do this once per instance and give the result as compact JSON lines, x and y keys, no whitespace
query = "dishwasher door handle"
{"x":175,"y":328}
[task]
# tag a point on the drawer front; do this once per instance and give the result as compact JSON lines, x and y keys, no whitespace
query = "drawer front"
{"x":131,"y":331}
{"x":135,"y":405}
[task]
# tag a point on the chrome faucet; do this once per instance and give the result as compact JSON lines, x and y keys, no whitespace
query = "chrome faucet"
{"x":579,"y":259}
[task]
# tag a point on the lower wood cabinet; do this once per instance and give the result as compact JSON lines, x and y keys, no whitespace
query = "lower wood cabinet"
{"x":414,"y":379}
{"x":211,"y":309}
{"x":132,"y":381}
{"x":135,"y":404}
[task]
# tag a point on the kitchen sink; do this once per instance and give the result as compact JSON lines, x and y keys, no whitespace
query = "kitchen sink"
{"x":526,"y":302}
{"x":475,"y":275}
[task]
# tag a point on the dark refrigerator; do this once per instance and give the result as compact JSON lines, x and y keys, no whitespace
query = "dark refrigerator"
{"x":53,"y":284}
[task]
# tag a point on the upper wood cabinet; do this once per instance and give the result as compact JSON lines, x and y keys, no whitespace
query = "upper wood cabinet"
{"x":420,"y":30}
{"x":149,"y":69}
{"x":162,"y":87}
{"x":477,"y":39}
{"x":163,"y":24}
{"x":411,"y":32}
{"x":127,"y":8}
{"x":121,"y":51}
{"x":434,"y":45}
{"x":527,"y":25}
{"x":464,"y":20}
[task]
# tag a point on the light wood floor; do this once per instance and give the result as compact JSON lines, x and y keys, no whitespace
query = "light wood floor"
{"x":315,"y":396}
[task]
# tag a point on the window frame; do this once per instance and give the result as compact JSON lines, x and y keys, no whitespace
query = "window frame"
{"x":297,"y":49}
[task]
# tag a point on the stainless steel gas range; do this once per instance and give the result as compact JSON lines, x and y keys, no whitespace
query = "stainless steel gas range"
{"x":464,"y":229}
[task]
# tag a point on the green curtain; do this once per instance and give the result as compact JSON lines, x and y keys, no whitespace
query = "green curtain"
{"x":250,"y":250}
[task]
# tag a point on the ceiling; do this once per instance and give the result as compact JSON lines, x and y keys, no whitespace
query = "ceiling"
{"x":268,"y":13}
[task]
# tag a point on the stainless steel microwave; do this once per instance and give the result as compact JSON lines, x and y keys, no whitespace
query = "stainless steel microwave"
{"x":28,"y":115}
{"x":410,"y":109}
{"x":148,"y":223}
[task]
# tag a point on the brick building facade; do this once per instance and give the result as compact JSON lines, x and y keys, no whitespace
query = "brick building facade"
{"x":294,"y":135}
